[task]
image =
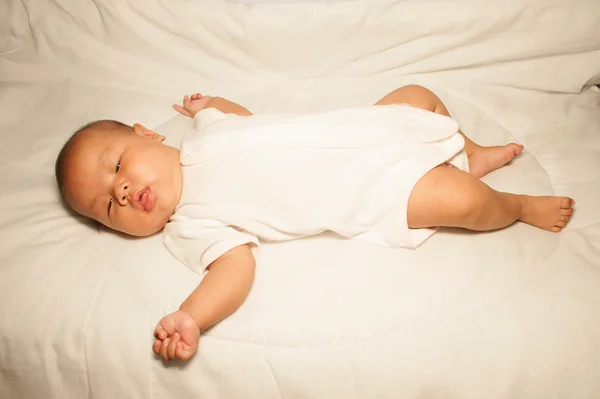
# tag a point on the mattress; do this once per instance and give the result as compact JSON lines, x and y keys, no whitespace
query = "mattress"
{"x":511,"y":313}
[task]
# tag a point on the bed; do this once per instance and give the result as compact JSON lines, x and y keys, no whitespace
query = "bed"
{"x":506,"y":314}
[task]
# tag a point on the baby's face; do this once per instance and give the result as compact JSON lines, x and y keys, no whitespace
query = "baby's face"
{"x":128,"y":181}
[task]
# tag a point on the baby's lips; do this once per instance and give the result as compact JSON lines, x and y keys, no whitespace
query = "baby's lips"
{"x":147,"y":200}
{"x":143,"y":199}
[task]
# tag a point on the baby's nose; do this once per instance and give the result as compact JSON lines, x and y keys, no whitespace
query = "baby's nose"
{"x":122,"y":194}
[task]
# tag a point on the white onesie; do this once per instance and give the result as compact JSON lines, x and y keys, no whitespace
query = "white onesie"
{"x":282,"y":177}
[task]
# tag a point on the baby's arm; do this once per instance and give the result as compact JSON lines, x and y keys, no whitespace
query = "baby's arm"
{"x":227,"y":107}
{"x":197,"y":102}
{"x":222,"y":290}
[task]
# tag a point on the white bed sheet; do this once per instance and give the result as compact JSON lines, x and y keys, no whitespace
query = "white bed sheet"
{"x":512,"y":313}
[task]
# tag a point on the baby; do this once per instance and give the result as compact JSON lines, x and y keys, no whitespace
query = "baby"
{"x":212,"y":198}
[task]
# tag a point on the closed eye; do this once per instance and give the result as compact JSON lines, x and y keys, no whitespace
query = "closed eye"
{"x":117,"y":168}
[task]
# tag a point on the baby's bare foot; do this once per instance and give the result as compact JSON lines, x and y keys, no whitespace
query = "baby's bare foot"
{"x":483,"y":160}
{"x":548,"y":213}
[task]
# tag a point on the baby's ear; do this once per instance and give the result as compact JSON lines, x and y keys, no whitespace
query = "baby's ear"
{"x":141,"y":130}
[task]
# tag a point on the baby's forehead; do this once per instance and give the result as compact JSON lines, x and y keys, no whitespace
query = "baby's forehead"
{"x":100,"y":137}
{"x":89,"y":147}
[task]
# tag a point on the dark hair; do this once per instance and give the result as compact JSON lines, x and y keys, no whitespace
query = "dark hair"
{"x":60,"y":165}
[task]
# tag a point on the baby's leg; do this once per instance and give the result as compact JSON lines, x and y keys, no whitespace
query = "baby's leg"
{"x":453,"y":198}
{"x":482,"y":160}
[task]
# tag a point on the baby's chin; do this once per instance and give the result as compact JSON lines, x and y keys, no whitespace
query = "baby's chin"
{"x":143,"y":231}
{"x":141,"y":234}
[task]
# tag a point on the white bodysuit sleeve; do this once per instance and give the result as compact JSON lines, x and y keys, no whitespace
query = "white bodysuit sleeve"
{"x":207,"y":117}
{"x":199,"y":242}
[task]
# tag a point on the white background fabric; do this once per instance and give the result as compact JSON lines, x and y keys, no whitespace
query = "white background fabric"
{"x":512,"y":313}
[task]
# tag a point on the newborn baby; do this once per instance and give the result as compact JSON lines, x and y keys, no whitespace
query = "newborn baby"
{"x":389,"y":174}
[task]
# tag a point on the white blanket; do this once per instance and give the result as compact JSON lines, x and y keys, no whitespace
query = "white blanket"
{"x":512,"y":313}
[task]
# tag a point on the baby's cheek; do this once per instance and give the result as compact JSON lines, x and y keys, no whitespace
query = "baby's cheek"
{"x":126,"y":223}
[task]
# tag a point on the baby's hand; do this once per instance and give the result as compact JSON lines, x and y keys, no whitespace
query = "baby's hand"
{"x":192,"y":105}
{"x":177,"y":336}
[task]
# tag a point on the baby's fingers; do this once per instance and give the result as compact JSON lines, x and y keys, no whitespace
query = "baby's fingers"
{"x":156,"y":346}
{"x":172,"y":346}
{"x":186,"y":102}
{"x":160,"y":333}
{"x":184,"y":351}
{"x":181,"y":110}
{"x":162,"y":352}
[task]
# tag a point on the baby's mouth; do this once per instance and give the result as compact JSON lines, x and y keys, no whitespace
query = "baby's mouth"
{"x":145,"y":198}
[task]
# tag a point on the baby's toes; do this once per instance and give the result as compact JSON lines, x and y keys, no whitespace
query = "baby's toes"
{"x":565,"y":218}
{"x":516,"y":148}
{"x":566,"y":211}
{"x":566,"y":203}
{"x":560,"y":224}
